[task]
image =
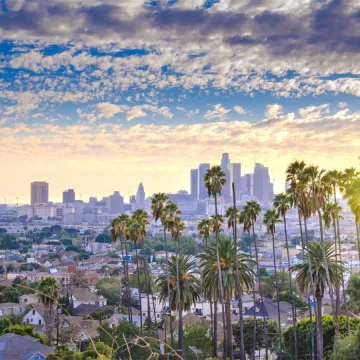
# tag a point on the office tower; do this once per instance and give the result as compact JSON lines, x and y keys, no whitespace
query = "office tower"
{"x":194,"y":183}
{"x":250,"y":184}
{"x":202,"y":192}
{"x":140,"y":197}
{"x":263,"y":188}
{"x":235,"y":176}
{"x":225,"y":164}
{"x":39,"y":192}
{"x":116,"y":203}
{"x":69,"y":196}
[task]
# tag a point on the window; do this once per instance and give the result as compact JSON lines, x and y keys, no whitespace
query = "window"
{"x":157,"y":315}
{"x":144,"y":314}
{"x":33,"y":312}
{"x":27,"y":321}
{"x":39,"y":321}
{"x":25,"y":300}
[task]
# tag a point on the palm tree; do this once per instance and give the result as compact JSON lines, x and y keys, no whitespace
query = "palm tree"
{"x":318,"y":191}
{"x":47,"y":292}
{"x":271,"y":218}
{"x":282,"y":204}
{"x":185,"y":287}
{"x":160,"y":211}
{"x":215,"y":180}
{"x":228,"y":258}
{"x":318,"y":275}
{"x":252,"y":212}
{"x":232,"y":214}
{"x":299,"y":199}
{"x":204,"y":228}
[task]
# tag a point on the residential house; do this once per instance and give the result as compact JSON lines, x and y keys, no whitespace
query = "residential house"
{"x":75,"y":329}
{"x":117,"y":318}
{"x":29,"y":299}
{"x":81,"y":296}
{"x":13,"y":346}
{"x":7,"y":309}
{"x":34,"y":315}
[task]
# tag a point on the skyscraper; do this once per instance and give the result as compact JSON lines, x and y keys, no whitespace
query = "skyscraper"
{"x":140,"y":197}
{"x":39,"y":193}
{"x":69,"y":196}
{"x":225,"y":163}
{"x":194,"y":174}
{"x":115,"y":203}
{"x":202,"y":192}
{"x":235,"y":176}
{"x":263,"y":188}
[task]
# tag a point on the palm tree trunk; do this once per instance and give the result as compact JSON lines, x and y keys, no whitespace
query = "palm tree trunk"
{"x":254,"y":297}
{"x":220,"y":274}
{"x":122,"y":254}
{"x":312,"y":292}
{"x":139,"y":290}
{"x":337,"y":290}
{"x":237,"y":279}
{"x":319,"y":329}
{"x":147,"y":282}
{"x":127,"y":282}
{"x":331,"y":291}
{"x":357,"y":224}
{"x":168,"y":285}
{"x":229,"y":335}
{"x":277,"y":294}
{"x":260,"y":290}
{"x":293,"y":309}
{"x":215,"y":329}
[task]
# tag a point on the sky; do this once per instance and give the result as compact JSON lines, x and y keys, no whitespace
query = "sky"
{"x":100,"y":95}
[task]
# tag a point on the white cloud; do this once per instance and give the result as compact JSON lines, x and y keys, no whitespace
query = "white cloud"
{"x":273,"y":111}
{"x":219,"y":112}
{"x":134,"y":113}
{"x":343,"y":105}
{"x":108,"y":110}
{"x":240,"y":110}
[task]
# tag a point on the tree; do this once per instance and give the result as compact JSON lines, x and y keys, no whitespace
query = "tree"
{"x":263,"y":273}
{"x":185,"y":287}
{"x":198,"y":336}
{"x":269,"y":284}
{"x":228,"y":261}
{"x":109,"y":287}
{"x":304,"y":335}
{"x":318,"y":277}
{"x":353,"y":290}
{"x":78,"y":280}
{"x":348,"y":348}
{"x":262,"y":340}
{"x":215,"y":180}
{"x":204,"y":228}
{"x":47,"y":291}
{"x":23,"y":330}
{"x":293,"y":299}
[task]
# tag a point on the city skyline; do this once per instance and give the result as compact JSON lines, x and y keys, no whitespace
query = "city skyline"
{"x":102,"y":96}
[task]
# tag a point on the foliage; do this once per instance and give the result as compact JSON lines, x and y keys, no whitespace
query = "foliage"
{"x":78,"y":280}
{"x":103,"y":238}
{"x":103,"y":313}
{"x":348,"y":348}
{"x":298,"y":301}
{"x":66,"y":305}
{"x":272,"y":329}
{"x":110,"y":289}
{"x":8,"y":242}
{"x":199,"y":337}
{"x":23,"y":330}
{"x":304,"y":338}
{"x":353,"y":290}
{"x":268,"y":283}
{"x":263,"y":272}
{"x":133,"y":281}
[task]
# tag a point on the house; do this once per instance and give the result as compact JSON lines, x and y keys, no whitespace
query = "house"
{"x":7,"y":309}
{"x":117,"y":318}
{"x":19,"y":347}
{"x":76,"y":329}
{"x":81,"y":296}
{"x":34,"y":315}
{"x":28,"y":299}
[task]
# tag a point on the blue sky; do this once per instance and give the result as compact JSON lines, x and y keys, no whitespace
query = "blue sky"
{"x":144,"y":91}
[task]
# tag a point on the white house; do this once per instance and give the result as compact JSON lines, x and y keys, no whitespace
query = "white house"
{"x":28,"y":299}
{"x":35,"y":315}
{"x":86,"y":297}
{"x":7,"y":309}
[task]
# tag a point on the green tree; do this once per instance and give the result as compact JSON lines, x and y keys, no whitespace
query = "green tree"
{"x":47,"y":291}
{"x":348,"y":348}
{"x":210,"y":276}
{"x":269,"y":284}
{"x":109,"y":287}
{"x":353,"y":290}
{"x":204,"y":228}
{"x":199,"y":337}
{"x":319,"y":278}
{"x":23,"y":330}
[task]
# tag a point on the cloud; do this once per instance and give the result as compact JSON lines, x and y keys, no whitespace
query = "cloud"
{"x":134,"y":113}
{"x":219,"y":112}
{"x":108,"y":110}
{"x":240,"y":110}
{"x":273,"y":111}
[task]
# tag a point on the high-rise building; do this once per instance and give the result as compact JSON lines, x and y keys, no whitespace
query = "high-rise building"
{"x":69,"y":196}
{"x":263,"y":188}
{"x":202,"y":192}
{"x":194,"y":174}
{"x":225,"y":167}
{"x":39,"y":193}
{"x":115,"y":203}
{"x":235,"y":176}
{"x":140,"y":197}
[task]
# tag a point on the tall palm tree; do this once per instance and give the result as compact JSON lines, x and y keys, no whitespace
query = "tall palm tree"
{"x":271,"y":218}
{"x":160,"y":211}
{"x":185,"y":287}
{"x":47,"y":292}
{"x":299,"y":199}
{"x":204,"y":228}
{"x":215,"y":180}
{"x":232,"y":214}
{"x":282,"y":204}
{"x":318,"y":191}
{"x":319,"y":275}
{"x":229,"y":257}
{"x":252,"y":212}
